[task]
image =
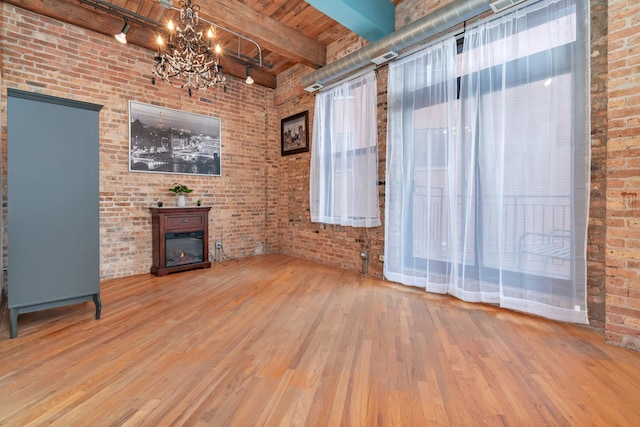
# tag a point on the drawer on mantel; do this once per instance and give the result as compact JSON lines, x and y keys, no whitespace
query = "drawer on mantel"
{"x":183,"y":221}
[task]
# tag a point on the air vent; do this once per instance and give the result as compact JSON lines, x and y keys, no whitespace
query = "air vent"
{"x":500,"y":5}
{"x":381,"y":59}
{"x":314,"y":87}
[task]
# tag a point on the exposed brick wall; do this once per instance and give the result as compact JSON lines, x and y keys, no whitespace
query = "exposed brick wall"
{"x":623,"y":170}
{"x":597,"y":208}
{"x":411,"y":10}
{"x":344,"y":46}
{"x":47,"y":56}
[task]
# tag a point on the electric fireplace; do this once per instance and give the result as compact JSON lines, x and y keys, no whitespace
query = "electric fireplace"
{"x":183,"y":248}
{"x":180,"y":239}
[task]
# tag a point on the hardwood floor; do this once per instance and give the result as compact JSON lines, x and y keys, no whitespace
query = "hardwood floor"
{"x":277,"y":341}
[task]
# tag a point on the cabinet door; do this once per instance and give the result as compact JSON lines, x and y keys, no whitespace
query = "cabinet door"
{"x":53,"y":199}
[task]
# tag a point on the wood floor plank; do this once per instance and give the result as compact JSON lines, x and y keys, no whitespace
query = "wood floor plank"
{"x":277,"y":341}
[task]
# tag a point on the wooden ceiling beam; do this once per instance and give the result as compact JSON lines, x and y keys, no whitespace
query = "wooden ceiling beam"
{"x":269,"y":33}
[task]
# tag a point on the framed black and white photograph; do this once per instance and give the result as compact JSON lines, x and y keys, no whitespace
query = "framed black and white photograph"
{"x":163,"y":140}
{"x":294,"y":134}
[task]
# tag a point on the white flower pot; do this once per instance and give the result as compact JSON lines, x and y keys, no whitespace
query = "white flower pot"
{"x":182,"y":200}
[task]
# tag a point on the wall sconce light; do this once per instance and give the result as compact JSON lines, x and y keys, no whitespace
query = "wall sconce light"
{"x":122,"y":36}
{"x":249,"y":80}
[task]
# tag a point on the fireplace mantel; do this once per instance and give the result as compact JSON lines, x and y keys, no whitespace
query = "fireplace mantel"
{"x":180,"y":238}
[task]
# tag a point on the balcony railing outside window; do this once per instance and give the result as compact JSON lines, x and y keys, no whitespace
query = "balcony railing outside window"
{"x":534,"y":239}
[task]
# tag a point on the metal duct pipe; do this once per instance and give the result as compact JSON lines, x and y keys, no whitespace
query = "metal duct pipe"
{"x":420,"y":30}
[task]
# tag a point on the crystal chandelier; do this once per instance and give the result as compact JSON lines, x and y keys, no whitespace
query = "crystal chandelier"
{"x":188,"y":60}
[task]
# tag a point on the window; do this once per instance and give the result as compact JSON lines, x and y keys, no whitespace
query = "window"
{"x":487,"y":186}
{"x":344,"y":157}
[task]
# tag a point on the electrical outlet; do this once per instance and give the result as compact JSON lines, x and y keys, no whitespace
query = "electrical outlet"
{"x":218,"y":245}
{"x":381,"y":257}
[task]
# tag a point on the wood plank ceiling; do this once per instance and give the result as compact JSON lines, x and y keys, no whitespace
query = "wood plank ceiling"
{"x":288,"y":31}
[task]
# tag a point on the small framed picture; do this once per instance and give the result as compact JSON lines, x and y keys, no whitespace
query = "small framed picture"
{"x":294,"y":132}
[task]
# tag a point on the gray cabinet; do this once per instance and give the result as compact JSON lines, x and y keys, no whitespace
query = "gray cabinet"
{"x":53,"y":203}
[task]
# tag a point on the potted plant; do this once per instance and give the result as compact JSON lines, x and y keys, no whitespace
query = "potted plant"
{"x":180,"y":190}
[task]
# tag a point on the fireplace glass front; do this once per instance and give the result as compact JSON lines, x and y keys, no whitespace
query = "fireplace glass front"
{"x":184,"y":248}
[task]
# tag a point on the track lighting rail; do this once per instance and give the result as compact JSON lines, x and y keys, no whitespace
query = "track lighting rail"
{"x":135,"y":18}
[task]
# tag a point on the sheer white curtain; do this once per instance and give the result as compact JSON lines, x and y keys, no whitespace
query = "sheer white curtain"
{"x":420,"y":172}
{"x":512,"y":212}
{"x":344,"y":155}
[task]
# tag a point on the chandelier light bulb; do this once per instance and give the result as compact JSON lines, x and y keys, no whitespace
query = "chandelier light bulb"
{"x":170,"y":25}
{"x":218,"y":49}
{"x":210,"y":33}
{"x":160,"y":41}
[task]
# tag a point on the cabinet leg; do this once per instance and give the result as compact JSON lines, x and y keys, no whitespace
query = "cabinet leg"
{"x":98,"y":303}
{"x":13,"y":322}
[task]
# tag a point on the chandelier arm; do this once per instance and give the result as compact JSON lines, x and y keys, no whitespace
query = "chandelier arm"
{"x":232,"y":32}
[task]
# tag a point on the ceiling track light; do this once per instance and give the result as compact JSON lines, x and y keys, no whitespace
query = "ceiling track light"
{"x":249,"y":79}
{"x":122,"y":35}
